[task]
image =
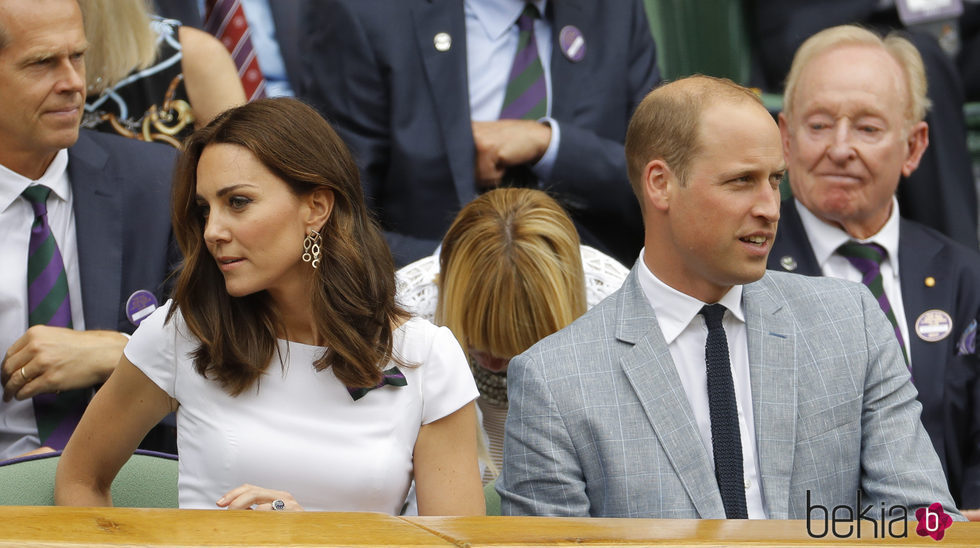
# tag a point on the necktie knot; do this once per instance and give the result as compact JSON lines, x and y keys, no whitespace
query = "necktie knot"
{"x":37,"y":195}
{"x":713,"y":314}
{"x":864,"y":257}
{"x":526,"y":21}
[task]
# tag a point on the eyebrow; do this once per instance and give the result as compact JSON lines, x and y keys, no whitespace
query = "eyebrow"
{"x":41,"y":55}
{"x":226,"y":190}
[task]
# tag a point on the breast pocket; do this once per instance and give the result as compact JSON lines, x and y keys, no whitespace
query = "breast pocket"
{"x":817,"y":420}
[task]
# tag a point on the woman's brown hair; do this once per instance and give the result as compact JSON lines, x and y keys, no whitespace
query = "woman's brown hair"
{"x":353,"y":293}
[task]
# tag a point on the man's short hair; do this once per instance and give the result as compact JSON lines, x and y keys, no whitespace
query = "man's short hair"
{"x":900,"y":49}
{"x":667,"y":122}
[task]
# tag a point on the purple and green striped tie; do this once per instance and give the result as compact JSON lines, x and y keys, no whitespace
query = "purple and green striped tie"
{"x":526,"y":96}
{"x":48,"y":304}
{"x":867,"y":259}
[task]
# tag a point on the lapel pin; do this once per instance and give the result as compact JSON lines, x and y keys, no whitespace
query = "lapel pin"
{"x":933,"y":325}
{"x":788,"y":263}
{"x":572,"y":43}
{"x":930,"y":281}
{"x":140,"y":304}
{"x":442,"y":41}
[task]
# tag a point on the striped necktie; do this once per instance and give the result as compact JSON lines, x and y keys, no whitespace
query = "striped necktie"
{"x":48,"y":304}
{"x":867,"y":259}
{"x":226,"y":20}
{"x":726,"y":438}
{"x":526,"y":96}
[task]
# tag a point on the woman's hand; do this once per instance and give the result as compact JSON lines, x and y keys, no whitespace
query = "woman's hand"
{"x":251,"y":497}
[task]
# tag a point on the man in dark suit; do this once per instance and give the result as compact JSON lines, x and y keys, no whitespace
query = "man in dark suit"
{"x":848,"y":136}
{"x":941,"y":193}
{"x":416,"y":89}
{"x":105,"y":202}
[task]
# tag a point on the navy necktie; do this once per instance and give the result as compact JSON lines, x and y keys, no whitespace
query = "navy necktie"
{"x":726,"y":441}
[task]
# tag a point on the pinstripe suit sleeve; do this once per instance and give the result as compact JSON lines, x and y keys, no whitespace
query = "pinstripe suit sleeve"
{"x":542,"y":475}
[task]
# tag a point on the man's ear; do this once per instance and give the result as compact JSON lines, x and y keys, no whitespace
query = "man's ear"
{"x":784,"y":133}
{"x":657,"y":178}
{"x":918,"y":142}
{"x":320,"y":205}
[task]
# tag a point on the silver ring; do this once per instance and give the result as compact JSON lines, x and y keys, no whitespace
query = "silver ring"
{"x":23,"y":375}
{"x":278,"y":504}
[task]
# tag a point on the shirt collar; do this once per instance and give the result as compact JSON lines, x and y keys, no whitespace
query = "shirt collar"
{"x":12,"y":184}
{"x":825,"y":238}
{"x":676,"y":310}
{"x":497,"y":17}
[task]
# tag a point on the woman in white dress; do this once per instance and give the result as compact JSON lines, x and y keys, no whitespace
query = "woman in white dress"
{"x":297,"y":380}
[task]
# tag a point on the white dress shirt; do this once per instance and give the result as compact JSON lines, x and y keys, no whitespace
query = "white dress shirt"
{"x":685,"y":333}
{"x":491,"y":42}
{"x":18,"y":429}
{"x":826,"y":238}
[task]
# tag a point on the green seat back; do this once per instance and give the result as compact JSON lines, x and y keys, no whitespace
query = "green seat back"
{"x":145,"y":481}
{"x":491,"y":498}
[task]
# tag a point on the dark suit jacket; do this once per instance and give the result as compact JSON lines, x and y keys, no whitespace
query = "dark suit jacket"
{"x":948,"y":384}
{"x":403,"y":108}
{"x":288,"y":16}
{"x":121,"y":190}
{"x":941,"y":193}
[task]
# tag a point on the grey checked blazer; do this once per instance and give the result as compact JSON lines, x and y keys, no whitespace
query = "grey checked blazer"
{"x":599,"y":424}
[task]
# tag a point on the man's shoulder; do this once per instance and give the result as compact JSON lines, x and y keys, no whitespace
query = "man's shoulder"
{"x":119,"y":148}
{"x":596,"y":327}
{"x":800,"y":292}
{"x":916,"y":237}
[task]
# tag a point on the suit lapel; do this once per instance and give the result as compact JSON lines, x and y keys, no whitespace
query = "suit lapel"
{"x":792,"y":251}
{"x":654,"y":378}
{"x":445,"y":73}
{"x":98,"y":223}
{"x":566,"y":76}
{"x":772,"y":368}
{"x":918,"y":259}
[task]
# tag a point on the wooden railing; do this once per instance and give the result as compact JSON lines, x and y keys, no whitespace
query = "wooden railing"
{"x":25,"y":526}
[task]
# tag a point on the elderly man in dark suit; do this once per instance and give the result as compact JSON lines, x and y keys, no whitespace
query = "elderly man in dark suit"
{"x":429,"y":95}
{"x":84,"y":218}
{"x":942,"y":192}
{"x":849,"y":135}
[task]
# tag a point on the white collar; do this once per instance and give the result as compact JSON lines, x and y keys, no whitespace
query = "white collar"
{"x":12,"y":184}
{"x":676,"y":310}
{"x":825,"y":238}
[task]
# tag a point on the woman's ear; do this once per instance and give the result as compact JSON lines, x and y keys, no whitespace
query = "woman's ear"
{"x":320,"y":204}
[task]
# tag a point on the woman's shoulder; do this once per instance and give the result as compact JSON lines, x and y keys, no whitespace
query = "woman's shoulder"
{"x":417,"y":338}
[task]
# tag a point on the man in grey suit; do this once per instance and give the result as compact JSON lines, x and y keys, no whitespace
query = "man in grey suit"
{"x":618,"y":416}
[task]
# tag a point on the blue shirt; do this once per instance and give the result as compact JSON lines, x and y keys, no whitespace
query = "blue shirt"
{"x":491,"y":42}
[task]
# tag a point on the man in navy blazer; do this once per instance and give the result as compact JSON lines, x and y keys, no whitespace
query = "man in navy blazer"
{"x":397,"y":76}
{"x":108,"y":211}
{"x":848,"y":136}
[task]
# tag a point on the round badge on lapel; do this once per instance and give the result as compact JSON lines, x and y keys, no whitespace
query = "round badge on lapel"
{"x":933,"y":325}
{"x":442,"y":41}
{"x":572,"y":43}
{"x":788,"y":263}
{"x":140,"y":304}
